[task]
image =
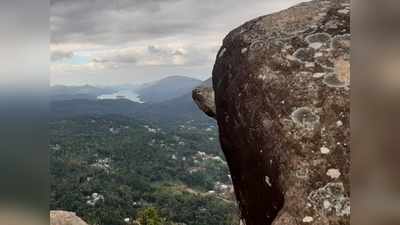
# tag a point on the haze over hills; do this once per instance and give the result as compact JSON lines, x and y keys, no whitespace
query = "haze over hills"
{"x":167,"y":88}
{"x":153,"y":92}
{"x":62,"y":92}
{"x":166,"y":100}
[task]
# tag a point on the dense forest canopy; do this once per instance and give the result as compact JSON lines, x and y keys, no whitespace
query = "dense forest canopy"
{"x":109,"y":168}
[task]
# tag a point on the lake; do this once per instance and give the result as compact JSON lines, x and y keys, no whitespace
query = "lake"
{"x":125,"y":94}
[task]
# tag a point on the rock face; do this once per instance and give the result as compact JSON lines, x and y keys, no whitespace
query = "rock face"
{"x":282,"y":100}
{"x":204,"y":97}
{"x":65,"y":218}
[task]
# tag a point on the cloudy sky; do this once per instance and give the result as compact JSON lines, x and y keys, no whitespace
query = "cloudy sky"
{"x":105,"y":42}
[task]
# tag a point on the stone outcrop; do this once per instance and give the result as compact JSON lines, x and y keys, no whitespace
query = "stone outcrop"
{"x":204,"y":97}
{"x":65,"y":218}
{"x":282,"y":103}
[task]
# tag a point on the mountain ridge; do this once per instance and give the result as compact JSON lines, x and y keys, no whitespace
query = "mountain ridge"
{"x":167,"y":88}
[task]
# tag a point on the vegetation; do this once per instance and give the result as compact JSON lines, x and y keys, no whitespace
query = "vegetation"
{"x":150,"y":216}
{"x":113,"y":169}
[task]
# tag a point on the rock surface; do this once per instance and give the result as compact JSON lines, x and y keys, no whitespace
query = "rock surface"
{"x":65,"y":218}
{"x":282,"y":97}
{"x":204,"y":97}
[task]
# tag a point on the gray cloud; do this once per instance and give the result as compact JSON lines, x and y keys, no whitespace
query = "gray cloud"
{"x":59,"y":55}
{"x":151,"y":56}
{"x":113,"y":22}
{"x":118,"y":58}
{"x":179,"y":33}
{"x":107,"y":21}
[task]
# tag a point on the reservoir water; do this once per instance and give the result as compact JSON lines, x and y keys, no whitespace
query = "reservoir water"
{"x":124,"y":94}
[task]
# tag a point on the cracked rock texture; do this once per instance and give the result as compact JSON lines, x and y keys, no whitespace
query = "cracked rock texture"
{"x":282,"y":102}
{"x":65,"y":218}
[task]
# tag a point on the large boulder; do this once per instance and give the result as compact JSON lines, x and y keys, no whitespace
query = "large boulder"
{"x":282,"y":100}
{"x":65,"y":218}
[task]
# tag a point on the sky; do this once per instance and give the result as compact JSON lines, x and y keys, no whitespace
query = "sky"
{"x":110,"y":42}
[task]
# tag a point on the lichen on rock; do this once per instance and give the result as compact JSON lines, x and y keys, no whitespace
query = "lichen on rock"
{"x":282,"y":102}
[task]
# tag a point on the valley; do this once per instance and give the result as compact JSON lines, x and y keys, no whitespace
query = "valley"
{"x":110,"y":159}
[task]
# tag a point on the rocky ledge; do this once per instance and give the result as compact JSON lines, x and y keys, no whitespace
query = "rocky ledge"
{"x":65,"y":218}
{"x":281,"y":96}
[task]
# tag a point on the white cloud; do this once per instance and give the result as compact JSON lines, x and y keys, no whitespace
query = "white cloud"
{"x":114,"y":35}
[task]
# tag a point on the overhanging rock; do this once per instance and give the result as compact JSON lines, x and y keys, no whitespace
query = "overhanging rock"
{"x":282,"y":101}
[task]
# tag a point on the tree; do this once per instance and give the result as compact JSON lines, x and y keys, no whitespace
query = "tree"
{"x":149,"y":216}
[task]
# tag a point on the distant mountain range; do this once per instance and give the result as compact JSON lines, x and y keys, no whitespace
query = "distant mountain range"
{"x":167,"y":88}
{"x":153,"y":92}
{"x":62,"y":92}
{"x":166,"y":100}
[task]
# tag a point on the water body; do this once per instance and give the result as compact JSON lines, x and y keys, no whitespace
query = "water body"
{"x":122,"y":94}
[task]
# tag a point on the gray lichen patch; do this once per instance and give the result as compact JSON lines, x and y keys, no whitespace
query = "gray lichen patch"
{"x":318,"y":75}
{"x":302,"y":173}
{"x":318,"y":54}
{"x":322,"y":38}
{"x":305,"y":117}
{"x":267,"y":75}
{"x":257,"y":45}
{"x":331,"y":25}
{"x":305,"y":54}
{"x":291,"y":58}
{"x":341,"y":43}
{"x":308,"y":219}
{"x":344,"y":11}
{"x":332,"y":80}
{"x":345,"y":4}
{"x":310,"y":65}
{"x":333,"y":173}
{"x":325,"y":150}
{"x":316,"y":45}
{"x":267,"y":124}
{"x":325,"y":62}
{"x":330,"y":200}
